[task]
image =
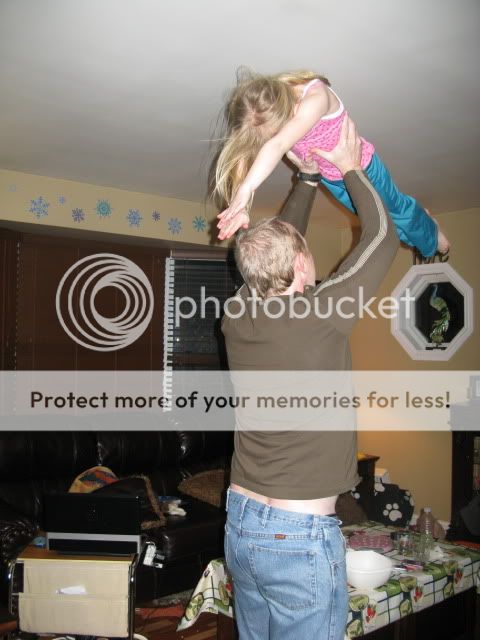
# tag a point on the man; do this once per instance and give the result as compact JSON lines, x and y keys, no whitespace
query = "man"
{"x":283,"y":544}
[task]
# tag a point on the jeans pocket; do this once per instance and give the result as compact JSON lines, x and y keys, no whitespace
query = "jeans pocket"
{"x":287,"y":577}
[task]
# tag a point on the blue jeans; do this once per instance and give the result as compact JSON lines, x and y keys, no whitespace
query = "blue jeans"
{"x":288,"y":570}
{"x":414,"y":226}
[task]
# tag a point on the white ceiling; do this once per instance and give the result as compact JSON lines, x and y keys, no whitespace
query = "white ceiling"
{"x":126,"y":93}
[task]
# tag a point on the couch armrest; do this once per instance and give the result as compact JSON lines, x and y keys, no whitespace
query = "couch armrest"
{"x":16,"y":530}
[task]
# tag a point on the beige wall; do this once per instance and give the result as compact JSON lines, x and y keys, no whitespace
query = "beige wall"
{"x":326,"y":246}
{"x":420,"y":461}
{"x":17,"y":190}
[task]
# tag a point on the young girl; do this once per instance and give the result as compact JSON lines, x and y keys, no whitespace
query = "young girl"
{"x":269,"y":115}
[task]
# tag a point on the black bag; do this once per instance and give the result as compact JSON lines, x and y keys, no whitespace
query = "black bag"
{"x":141,"y":486}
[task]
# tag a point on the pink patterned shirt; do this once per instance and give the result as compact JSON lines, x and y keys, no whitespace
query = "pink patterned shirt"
{"x":324,"y":135}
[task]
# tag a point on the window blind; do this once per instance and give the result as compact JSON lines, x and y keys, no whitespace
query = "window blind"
{"x":196,"y":289}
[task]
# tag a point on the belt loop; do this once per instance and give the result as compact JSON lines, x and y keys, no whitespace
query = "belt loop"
{"x":313,"y":532}
{"x":244,"y":504}
{"x":226,"y":501}
{"x":266,"y":511}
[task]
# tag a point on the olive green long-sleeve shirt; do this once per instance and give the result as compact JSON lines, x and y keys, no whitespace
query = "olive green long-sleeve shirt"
{"x":296,"y":464}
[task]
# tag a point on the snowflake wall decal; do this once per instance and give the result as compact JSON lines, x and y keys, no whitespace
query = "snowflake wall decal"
{"x":174,"y":225}
{"x":156,"y":216}
{"x":78,"y":215}
{"x":61,"y":199}
{"x":39,"y":207}
{"x":199,"y":223}
{"x":134,"y":218}
{"x":103,"y":208}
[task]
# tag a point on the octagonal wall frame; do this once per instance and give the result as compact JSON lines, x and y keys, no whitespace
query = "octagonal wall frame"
{"x":405,"y":326}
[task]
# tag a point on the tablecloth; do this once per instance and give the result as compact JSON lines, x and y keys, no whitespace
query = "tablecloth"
{"x":405,"y":592}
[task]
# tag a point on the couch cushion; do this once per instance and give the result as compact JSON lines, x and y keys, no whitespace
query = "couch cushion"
{"x":202,"y":528}
{"x":45,"y":454}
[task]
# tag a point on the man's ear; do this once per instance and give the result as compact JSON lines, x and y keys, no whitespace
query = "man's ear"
{"x":300,"y":263}
{"x":301,"y":271}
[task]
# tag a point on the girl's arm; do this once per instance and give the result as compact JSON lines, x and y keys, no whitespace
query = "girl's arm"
{"x":310,"y":110}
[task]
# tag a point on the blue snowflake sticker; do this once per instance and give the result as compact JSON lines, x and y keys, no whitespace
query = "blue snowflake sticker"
{"x":134,"y":218}
{"x":78,"y":215}
{"x":174,"y":225}
{"x":39,"y":207}
{"x":103,"y":208}
{"x":199,"y":223}
{"x":61,"y":199}
{"x":155,"y":216}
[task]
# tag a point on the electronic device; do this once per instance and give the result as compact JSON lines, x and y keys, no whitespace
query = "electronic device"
{"x":90,"y":523}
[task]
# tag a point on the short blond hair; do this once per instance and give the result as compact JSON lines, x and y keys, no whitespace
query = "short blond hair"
{"x":265,"y":256}
{"x":256,"y":110}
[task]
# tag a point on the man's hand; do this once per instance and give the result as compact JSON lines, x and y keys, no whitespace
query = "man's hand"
{"x":305,"y":166}
{"x":347,"y":155}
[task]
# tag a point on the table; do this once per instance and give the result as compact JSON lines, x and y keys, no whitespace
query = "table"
{"x":369,"y":609}
{"x":410,"y":591}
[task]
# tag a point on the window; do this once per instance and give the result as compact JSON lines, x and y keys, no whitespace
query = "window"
{"x":435,"y":312}
{"x":196,"y":288}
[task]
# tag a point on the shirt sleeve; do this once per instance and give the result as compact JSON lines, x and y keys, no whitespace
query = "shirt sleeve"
{"x":298,"y":206}
{"x":362,"y":271}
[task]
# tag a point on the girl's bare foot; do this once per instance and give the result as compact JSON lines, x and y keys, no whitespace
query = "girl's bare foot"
{"x":443,"y":245}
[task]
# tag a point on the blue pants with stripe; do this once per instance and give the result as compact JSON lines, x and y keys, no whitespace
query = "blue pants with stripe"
{"x":414,"y":226}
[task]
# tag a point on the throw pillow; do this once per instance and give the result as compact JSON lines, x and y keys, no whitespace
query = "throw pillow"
{"x":92,"y":479}
{"x":209,"y":486}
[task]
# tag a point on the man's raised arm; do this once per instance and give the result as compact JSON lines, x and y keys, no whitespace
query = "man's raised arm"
{"x":298,"y":206}
{"x":362,"y":271}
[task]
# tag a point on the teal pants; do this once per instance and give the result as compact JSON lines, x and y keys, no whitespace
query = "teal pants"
{"x":414,"y":226}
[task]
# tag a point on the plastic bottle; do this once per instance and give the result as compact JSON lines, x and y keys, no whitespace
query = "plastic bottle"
{"x":426,"y":528}
{"x":426,"y":521}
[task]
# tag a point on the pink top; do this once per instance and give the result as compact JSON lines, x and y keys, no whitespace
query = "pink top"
{"x":324,"y":135}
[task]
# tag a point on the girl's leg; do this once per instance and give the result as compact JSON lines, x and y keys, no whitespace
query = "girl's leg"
{"x":414,"y":226}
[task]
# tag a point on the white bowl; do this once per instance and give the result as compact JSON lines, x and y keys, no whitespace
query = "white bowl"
{"x":367,"y":569}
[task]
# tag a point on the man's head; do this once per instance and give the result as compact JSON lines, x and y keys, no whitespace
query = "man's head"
{"x":274,"y":258}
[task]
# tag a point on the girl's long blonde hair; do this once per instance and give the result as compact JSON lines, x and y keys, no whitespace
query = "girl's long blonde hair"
{"x":256,"y":110}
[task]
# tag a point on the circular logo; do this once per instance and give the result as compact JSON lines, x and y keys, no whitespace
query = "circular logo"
{"x":82,"y":283}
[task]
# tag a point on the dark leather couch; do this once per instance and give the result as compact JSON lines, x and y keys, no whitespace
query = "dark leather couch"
{"x":34,"y":463}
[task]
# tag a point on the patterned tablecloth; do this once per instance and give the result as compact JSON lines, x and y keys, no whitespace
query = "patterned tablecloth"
{"x":369,"y":609}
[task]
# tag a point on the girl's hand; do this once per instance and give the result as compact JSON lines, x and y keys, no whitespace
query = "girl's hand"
{"x":230,"y":226}
{"x":237,"y":214}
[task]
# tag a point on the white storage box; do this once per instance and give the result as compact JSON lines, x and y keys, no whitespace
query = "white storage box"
{"x":76,"y":595}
